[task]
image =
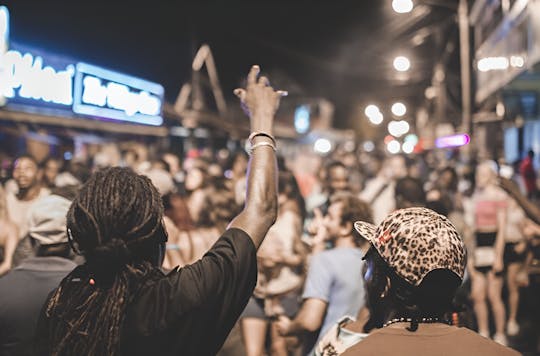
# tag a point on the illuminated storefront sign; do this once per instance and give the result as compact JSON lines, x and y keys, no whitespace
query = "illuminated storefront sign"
{"x":26,"y":77}
{"x":104,"y":93}
{"x":32,"y":77}
{"x":4,"y":41}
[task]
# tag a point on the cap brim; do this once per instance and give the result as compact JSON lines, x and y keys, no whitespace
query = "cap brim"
{"x":366,"y":230}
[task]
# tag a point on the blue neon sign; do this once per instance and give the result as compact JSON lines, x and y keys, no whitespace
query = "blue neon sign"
{"x":4,"y":29}
{"x":4,"y":43}
{"x":104,"y":93}
{"x":27,"y":76}
{"x":33,"y":77}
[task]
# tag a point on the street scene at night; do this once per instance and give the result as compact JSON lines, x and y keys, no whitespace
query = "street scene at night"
{"x":267,"y":178}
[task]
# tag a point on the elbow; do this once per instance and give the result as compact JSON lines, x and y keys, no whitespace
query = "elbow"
{"x":263,"y":212}
{"x":268,"y":211}
{"x":310,"y":326}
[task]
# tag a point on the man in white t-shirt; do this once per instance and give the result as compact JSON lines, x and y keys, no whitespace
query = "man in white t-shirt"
{"x":27,"y":175}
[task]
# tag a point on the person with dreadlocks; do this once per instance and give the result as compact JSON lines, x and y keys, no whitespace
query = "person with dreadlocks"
{"x":119,"y":302}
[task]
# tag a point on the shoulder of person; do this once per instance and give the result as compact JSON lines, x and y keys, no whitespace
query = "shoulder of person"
{"x":290,"y":212}
{"x":469,"y":336}
{"x":320,"y":258}
{"x":43,"y":192}
{"x":328,"y":256}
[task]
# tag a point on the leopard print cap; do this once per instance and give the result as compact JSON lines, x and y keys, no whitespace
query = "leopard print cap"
{"x":416,"y":241}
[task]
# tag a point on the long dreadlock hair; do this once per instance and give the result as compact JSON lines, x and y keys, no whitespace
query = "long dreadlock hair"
{"x":116,"y":223}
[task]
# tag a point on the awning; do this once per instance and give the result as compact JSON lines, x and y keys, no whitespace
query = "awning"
{"x":56,"y":119}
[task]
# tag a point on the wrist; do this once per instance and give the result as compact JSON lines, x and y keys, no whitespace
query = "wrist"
{"x":255,"y":135}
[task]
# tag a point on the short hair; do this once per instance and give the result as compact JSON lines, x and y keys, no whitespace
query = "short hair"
{"x":353,"y":208}
{"x":334,"y":164}
{"x":50,"y":159}
{"x":28,"y":157}
{"x":410,"y":190}
{"x":454,"y":183}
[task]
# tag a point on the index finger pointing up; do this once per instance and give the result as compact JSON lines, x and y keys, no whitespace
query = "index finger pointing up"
{"x":252,"y":76}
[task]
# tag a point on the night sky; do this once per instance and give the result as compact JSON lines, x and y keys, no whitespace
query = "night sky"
{"x":339,"y":50}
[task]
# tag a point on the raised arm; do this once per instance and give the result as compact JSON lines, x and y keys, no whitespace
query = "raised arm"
{"x":531,"y":210}
{"x":260,"y":101}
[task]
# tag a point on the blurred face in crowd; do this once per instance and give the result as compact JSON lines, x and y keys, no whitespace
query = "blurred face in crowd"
{"x":51,"y":170}
{"x":130,"y":159}
{"x":173,"y":162}
{"x":338,"y":179}
{"x":26,"y":173}
{"x":372,"y":167}
{"x":215,"y":170}
{"x":446,"y":179}
{"x":194,"y":179}
{"x":332,"y":221}
{"x":240,"y":165}
{"x":484,"y":176}
{"x":397,"y":168}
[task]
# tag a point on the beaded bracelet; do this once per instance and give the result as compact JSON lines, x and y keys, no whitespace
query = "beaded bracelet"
{"x":260,"y":144}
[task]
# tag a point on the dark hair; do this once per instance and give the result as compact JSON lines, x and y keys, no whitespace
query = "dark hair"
{"x":390,"y":296}
{"x":234,"y":157}
{"x":132,"y":152}
{"x":288,"y":185}
{"x":353,"y":209}
{"x":334,"y":164}
{"x":218,"y":209}
{"x":177,"y":210}
{"x":163,"y":163}
{"x":409,"y":192}
{"x":28,"y":157}
{"x":116,"y":223}
{"x":50,"y":159}
{"x":455,"y":179}
{"x":79,"y":170}
{"x":441,"y":206}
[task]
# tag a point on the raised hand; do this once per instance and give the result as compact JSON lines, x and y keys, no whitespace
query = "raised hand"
{"x":260,"y":101}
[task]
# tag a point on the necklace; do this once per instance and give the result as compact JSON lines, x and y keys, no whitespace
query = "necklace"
{"x":420,"y":321}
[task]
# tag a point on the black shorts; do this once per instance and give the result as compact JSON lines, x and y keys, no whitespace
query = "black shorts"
{"x":510,"y":254}
{"x":485,"y":240}
{"x":486,"y":269}
{"x":255,"y":307}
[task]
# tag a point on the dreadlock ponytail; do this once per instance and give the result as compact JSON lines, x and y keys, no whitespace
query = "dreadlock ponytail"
{"x":116,"y":223}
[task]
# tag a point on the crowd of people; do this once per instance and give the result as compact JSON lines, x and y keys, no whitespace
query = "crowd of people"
{"x":251,"y":254}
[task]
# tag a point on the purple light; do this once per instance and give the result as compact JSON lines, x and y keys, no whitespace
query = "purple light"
{"x":452,"y":141}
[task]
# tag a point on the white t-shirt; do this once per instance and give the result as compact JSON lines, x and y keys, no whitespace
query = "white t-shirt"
{"x":18,"y":210}
{"x":379,"y":193}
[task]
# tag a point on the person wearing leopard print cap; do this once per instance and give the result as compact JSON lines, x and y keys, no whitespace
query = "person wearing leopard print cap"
{"x":414,"y":266}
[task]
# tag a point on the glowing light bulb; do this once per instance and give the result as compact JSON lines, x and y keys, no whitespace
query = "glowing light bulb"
{"x":402,"y":6}
{"x":402,"y":64}
{"x":399,"y":109}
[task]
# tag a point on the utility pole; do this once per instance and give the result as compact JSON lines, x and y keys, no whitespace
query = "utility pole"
{"x":465,"y":54}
